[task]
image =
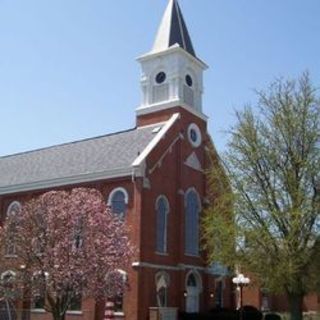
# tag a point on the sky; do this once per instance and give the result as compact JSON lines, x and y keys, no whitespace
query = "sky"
{"x":68,"y":68}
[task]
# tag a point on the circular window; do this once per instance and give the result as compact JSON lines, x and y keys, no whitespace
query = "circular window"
{"x":194,"y":135}
{"x":161,"y":77}
{"x":189,"y":81}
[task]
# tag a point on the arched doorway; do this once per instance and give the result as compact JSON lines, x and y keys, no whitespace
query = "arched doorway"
{"x":193,"y":288}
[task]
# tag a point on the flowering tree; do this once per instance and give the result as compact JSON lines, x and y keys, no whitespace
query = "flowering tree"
{"x":67,"y":243}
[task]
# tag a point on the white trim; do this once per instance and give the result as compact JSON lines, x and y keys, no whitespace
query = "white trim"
{"x":51,"y":183}
{"x":11,"y":205}
{"x":164,"y":105}
{"x":8,"y":272}
{"x":197,"y":143}
{"x":74,"y":312}
{"x":174,"y":48}
{"x":152,"y":125}
{"x":114,"y":191}
{"x":119,"y":314}
{"x":38,"y":310}
{"x":160,"y":135}
{"x":168,"y":150}
{"x":178,"y":267}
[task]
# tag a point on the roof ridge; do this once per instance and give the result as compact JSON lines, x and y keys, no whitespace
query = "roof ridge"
{"x":66,"y":143}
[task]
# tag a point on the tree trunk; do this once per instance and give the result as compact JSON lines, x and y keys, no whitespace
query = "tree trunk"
{"x":295,"y":306}
{"x":58,"y":316}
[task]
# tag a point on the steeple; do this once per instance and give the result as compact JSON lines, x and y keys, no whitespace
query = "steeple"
{"x":172,"y":74}
{"x":173,"y":30}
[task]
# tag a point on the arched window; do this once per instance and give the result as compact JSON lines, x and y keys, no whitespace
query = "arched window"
{"x":116,"y":283}
{"x":162,"y":285}
{"x":13,"y":209}
{"x":8,"y":279}
{"x":162,"y":210}
{"x":192,"y":210}
{"x":78,"y":233}
{"x":118,"y":201}
{"x":39,"y":283}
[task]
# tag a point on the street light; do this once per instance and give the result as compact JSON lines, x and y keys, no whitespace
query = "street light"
{"x":240,"y":281}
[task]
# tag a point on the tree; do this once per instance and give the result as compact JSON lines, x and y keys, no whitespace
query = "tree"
{"x":67,"y":243}
{"x":265,"y":212}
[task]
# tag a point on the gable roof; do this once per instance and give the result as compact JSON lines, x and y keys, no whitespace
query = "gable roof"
{"x":173,"y":31}
{"x":86,"y":160}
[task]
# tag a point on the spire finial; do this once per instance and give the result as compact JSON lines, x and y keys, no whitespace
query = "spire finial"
{"x":173,"y":30}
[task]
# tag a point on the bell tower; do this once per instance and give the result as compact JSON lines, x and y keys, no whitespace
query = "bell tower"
{"x":172,"y":74}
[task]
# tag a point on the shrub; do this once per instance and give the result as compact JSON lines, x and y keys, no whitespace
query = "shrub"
{"x":223,"y":314}
{"x":251,"y":313}
{"x":272,"y":316}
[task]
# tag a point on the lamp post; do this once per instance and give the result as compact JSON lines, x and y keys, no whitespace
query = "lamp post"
{"x":240,"y":281}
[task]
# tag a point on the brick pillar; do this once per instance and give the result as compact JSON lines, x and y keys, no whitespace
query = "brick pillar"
{"x":109,"y":310}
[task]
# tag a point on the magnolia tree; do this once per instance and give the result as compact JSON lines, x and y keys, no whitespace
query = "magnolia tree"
{"x":68,"y":245}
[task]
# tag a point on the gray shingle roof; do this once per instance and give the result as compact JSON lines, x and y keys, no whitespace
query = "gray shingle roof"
{"x":114,"y":152}
{"x":173,"y":30}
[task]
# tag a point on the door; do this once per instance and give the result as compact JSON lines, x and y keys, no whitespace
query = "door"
{"x":193,"y":292}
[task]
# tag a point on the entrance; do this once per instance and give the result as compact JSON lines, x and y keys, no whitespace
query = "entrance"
{"x":193,"y":287}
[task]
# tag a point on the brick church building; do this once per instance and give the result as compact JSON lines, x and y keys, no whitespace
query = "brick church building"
{"x":153,"y":175}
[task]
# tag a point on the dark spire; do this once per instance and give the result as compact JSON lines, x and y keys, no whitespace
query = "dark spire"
{"x":173,"y":30}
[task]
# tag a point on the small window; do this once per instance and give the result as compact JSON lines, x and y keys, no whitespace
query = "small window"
{"x":194,"y":135}
{"x":118,"y":201}
{"x":161,"y":77}
{"x":75,"y":303}
{"x":117,"y":279}
{"x":13,"y":209}
{"x":78,"y":233}
{"x":189,"y":80}
{"x":162,"y":285}
{"x":162,"y":210}
{"x":39,"y":290}
{"x":192,"y":217}
{"x":8,"y":280}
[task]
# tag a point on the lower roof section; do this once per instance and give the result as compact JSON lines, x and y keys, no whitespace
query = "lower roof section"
{"x":98,"y":158}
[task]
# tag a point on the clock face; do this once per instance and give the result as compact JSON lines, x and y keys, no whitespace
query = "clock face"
{"x":189,"y":80}
{"x":161,"y":77}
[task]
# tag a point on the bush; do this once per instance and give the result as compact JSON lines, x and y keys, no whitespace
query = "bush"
{"x":272,"y":316}
{"x":194,"y":316}
{"x":223,"y":314}
{"x":251,"y":313}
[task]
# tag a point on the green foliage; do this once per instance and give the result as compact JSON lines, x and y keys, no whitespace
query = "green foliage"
{"x":265,"y":217}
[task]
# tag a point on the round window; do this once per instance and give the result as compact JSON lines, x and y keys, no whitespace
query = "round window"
{"x":161,"y":77}
{"x":194,"y":135}
{"x":189,"y":81}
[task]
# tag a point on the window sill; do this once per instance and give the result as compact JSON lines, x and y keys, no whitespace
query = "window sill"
{"x":162,"y":253}
{"x":192,"y":255}
{"x":11,"y":256}
{"x":38,"y":310}
{"x":75,"y":312}
{"x":119,"y":314}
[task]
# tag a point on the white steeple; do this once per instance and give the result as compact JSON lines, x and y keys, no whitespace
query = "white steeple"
{"x":172,"y":75}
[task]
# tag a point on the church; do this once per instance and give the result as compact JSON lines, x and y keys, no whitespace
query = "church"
{"x":153,"y":175}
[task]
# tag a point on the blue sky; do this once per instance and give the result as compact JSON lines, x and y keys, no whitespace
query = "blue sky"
{"x":68,"y":69}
